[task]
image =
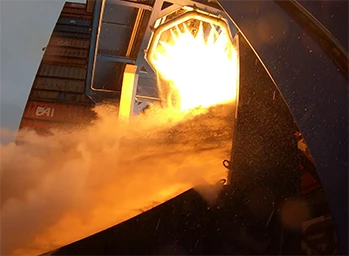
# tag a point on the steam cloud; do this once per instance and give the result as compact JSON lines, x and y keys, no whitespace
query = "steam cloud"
{"x":61,"y":188}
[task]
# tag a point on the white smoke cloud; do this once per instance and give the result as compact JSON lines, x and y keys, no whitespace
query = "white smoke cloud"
{"x":58,"y":189}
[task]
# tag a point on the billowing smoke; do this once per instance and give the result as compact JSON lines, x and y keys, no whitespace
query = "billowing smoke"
{"x":61,"y":188}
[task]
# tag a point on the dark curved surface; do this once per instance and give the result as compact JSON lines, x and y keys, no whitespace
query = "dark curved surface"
{"x":187,"y":225}
{"x":330,"y":45}
{"x":333,"y":15}
{"x":314,"y":89}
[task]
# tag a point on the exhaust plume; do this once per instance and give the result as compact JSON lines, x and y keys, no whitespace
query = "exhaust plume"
{"x":58,"y":189}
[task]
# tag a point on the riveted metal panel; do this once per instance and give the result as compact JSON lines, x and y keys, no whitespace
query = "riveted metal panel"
{"x":114,"y":39}
{"x":74,"y":21}
{"x":119,"y":14}
{"x":62,"y":71}
{"x":59,"y":84}
{"x":58,"y":112}
{"x":76,"y":29}
{"x":69,"y":42}
{"x":59,"y":96}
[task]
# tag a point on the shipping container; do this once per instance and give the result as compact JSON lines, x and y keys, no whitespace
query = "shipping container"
{"x":45,"y":128}
{"x":66,"y":52}
{"x":69,"y":42}
{"x":59,"y":84}
{"x":60,"y":96}
{"x":74,"y":10}
{"x":77,"y":16}
{"x":74,"y":29}
{"x":57,"y":97}
{"x":74,"y":21}
{"x":66,"y":61}
{"x":65,"y":56}
{"x":58,"y":112}
{"x":39,"y":126}
{"x":74,"y":5}
{"x":68,"y":34}
{"x":62,"y":71}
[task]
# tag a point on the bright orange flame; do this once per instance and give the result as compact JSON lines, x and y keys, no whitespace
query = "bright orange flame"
{"x":202,"y":71}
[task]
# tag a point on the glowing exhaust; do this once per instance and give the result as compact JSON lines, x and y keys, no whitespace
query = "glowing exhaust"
{"x":195,"y":55}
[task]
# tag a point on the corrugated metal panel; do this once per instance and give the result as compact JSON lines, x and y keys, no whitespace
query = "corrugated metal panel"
{"x":41,"y":127}
{"x":76,"y":29}
{"x":74,"y":5}
{"x":62,"y":71}
{"x":69,"y":42}
{"x":59,"y":84}
{"x":74,"y":10}
{"x":74,"y":21}
{"x":119,"y":14}
{"x":77,"y":16}
{"x":66,"y":52}
{"x":59,"y":96}
{"x":67,"y":61}
{"x":58,"y":112}
{"x":67,"y":34}
{"x":114,"y":39}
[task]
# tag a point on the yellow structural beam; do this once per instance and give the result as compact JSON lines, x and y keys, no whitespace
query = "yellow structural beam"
{"x":128,"y":92}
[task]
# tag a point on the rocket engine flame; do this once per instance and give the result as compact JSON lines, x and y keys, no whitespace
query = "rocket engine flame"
{"x":201,"y":65}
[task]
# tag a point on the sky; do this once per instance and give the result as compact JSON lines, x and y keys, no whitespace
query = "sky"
{"x":26,"y":26}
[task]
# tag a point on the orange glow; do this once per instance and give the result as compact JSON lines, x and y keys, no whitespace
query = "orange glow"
{"x":80,"y":183}
{"x":202,"y":69}
{"x":128,"y":92}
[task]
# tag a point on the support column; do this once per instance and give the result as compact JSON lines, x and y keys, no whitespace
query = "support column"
{"x":128,"y":92}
